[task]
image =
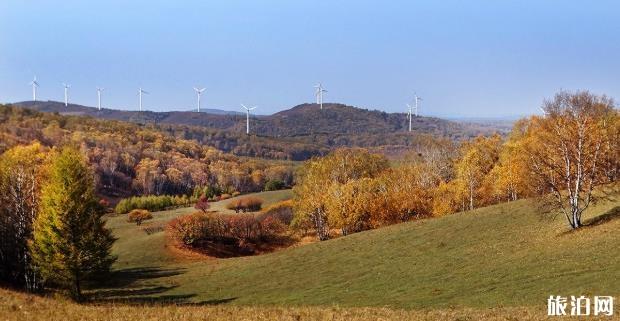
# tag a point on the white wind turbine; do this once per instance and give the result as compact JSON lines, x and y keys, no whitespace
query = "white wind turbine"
{"x":140,"y":92}
{"x":409,"y":112}
{"x":66,"y":93}
{"x":199,"y":93}
{"x":99,"y":90}
{"x":417,"y":100}
{"x":247,"y":118}
{"x":34,"y":84}
{"x":319,"y":94}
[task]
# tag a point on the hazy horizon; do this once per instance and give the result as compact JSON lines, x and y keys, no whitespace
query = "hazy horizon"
{"x":480,"y":59}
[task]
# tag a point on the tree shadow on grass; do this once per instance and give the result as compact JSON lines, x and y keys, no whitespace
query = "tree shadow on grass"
{"x":131,"y":276}
{"x":141,"y":286}
{"x":610,"y":215}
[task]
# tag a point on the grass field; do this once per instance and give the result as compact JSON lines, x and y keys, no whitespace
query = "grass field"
{"x":495,"y":263}
{"x":19,"y":307}
{"x":500,"y":255}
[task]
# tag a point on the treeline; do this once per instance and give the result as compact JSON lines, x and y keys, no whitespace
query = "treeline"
{"x":559,"y":157}
{"x":152,"y":203}
{"x":296,"y":134}
{"x":51,"y":228}
{"x":132,"y":159}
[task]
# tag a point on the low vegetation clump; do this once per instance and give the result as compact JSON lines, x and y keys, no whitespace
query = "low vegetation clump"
{"x":274,"y":185}
{"x":139,"y":216}
{"x":283,"y":211}
{"x":152,"y":203}
{"x":202,"y":204}
{"x":228,"y":235}
{"x":245,"y":204}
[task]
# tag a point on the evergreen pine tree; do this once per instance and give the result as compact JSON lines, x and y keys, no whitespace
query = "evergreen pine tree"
{"x":71,"y":243}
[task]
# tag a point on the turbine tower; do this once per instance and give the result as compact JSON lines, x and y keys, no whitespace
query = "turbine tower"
{"x":409,"y":112}
{"x":34,"y":84}
{"x":417,"y":99}
{"x":198,"y":93}
{"x":66,"y":93}
{"x":319,"y":94}
{"x":99,"y":90}
{"x":140,"y":92}
{"x":247,"y":118}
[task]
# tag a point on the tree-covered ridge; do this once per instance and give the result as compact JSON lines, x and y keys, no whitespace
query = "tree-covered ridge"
{"x":131,"y":159}
{"x":294,"y":134}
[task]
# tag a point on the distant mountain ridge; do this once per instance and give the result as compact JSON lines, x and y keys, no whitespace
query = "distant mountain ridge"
{"x":294,"y":134}
{"x":301,"y":120}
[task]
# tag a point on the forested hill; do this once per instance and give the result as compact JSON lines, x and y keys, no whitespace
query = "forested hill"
{"x":301,"y":120}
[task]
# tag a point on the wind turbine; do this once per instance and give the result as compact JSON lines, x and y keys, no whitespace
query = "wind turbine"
{"x":319,"y":94}
{"x":66,"y":93}
{"x":34,"y":84}
{"x":409,"y":107}
{"x":99,"y":90}
{"x":417,"y":99}
{"x":140,"y":92}
{"x":199,"y":92}
{"x":247,"y":117}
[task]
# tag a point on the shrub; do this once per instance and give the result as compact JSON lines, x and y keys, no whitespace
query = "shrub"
{"x":202,"y":204}
{"x":245,"y":204}
{"x":282,"y":211}
{"x":224,"y":196}
{"x":138,"y":216}
{"x":274,"y":185}
{"x":271,"y":226}
{"x":235,"y":194}
{"x":190,"y":228}
{"x":241,"y":229}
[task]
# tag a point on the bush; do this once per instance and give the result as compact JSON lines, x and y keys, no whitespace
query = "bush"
{"x":245,"y":204}
{"x":152,"y":203}
{"x":202,"y":204}
{"x":235,"y":194}
{"x":224,"y":196}
{"x":282,"y":211}
{"x":241,"y":229}
{"x":274,"y":185}
{"x":190,"y":228}
{"x":273,"y":226}
{"x":138,"y":216}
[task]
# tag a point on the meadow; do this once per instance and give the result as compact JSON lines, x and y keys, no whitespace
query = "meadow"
{"x":506,"y":255}
{"x":16,"y":306}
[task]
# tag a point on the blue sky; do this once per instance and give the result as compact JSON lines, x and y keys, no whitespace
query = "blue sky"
{"x":465,"y":58}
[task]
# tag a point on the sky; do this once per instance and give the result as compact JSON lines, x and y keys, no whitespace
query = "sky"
{"x":464,"y":58}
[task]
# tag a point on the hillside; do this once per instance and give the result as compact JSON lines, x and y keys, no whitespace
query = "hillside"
{"x":130,"y":159}
{"x":296,"y":134}
{"x":301,"y":120}
{"x":499,"y":255}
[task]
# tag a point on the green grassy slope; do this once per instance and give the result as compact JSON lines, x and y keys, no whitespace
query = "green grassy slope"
{"x":500,"y":255}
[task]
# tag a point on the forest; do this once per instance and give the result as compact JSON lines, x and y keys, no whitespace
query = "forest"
{"x":289,"y":135}
{"x":131,"y":159}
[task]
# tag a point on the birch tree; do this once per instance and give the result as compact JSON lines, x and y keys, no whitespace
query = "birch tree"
{"x":20,"y":171}
{"x":566,"y":148}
